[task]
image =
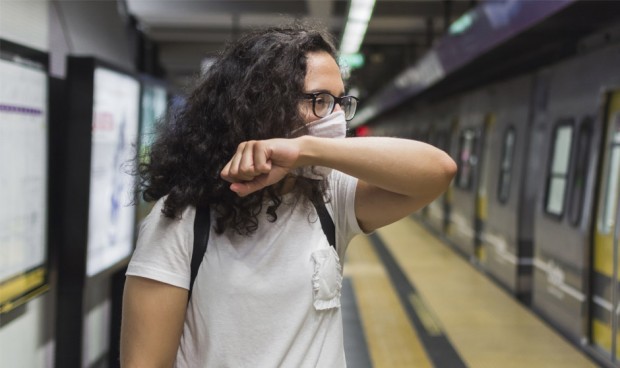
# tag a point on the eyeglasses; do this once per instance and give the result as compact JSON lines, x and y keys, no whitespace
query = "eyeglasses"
{"x":323,"y":104}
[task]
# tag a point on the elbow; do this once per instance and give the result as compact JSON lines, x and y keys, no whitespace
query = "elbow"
{"x":440,"y":176}
{"x":451,"y":170}
{"x":448,"y":170}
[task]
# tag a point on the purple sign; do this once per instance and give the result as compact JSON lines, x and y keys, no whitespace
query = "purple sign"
{"x":471,"y":36}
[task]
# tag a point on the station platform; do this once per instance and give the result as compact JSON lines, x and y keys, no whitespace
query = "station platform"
{"x":409,"y":300}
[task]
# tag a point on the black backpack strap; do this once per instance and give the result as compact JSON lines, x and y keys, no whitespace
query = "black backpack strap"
{"x":202,"y":226}
{"x":327,"y":223}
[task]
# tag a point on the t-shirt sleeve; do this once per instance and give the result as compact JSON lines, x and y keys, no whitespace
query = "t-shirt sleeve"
{"x":164,"y":248}
{"x":342,"y":208}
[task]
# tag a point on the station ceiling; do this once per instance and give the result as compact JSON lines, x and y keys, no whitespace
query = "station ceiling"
{"x":188,"y":31}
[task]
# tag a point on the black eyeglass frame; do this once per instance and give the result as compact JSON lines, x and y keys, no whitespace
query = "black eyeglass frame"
{"x":337,"y":100}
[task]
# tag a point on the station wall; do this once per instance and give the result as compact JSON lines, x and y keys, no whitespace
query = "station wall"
{"x":60,"y":28}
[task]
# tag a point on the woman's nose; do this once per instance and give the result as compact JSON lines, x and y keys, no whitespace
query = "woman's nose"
{"x":337,"y":107}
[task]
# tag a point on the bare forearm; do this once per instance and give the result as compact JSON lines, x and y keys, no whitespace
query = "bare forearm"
{"x":401,"y":166}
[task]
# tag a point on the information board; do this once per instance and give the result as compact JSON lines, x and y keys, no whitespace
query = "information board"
{"x":111,"y":223}
{"x":23,"y":179}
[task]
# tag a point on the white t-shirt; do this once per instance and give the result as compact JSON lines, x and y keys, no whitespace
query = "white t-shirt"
{"x":268,"y":300}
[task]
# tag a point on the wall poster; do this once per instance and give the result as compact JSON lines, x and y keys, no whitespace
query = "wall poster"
{"x":23,"y":181}
{"x":116,"y":103}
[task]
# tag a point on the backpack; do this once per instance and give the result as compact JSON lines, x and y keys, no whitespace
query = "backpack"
{"x":202,"y":226}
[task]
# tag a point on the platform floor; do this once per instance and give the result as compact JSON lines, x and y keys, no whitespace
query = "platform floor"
{"x":410,"y":301}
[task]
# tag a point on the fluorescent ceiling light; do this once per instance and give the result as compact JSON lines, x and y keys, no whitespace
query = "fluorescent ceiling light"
{"x":360,"y":12}
{"x":353,"y":36}
{"x":351,"y":43}
{"x":355,"y":29}
{"x":352,"y":40}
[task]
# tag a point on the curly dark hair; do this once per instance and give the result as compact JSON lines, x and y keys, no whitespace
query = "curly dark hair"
{"x":251,"y":92}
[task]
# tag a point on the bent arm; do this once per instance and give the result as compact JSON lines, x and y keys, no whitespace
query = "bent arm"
{"x":396,"y":176}
{"x":153,"y":316}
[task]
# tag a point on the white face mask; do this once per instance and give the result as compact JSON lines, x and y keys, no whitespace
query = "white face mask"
{"x":333,"y":125}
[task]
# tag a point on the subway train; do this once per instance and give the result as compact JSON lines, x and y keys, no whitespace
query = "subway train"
{"x":535,"y":201}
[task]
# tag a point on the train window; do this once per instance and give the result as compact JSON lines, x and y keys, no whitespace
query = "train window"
{"x":468,"y":158}
{"x":557,"y":178}
{"x":505,"y":169}
{"x":578,"y":186}
{"x":612,"y":181}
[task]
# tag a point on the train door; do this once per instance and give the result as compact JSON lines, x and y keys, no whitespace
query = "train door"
{"x":462,"y":214}
{"x":605,"y":307}
{"x":426,"y":135}
{"x":436,"y":212}
{"x":469,"y":210}
{"x":481,"y":192}
{"x":449,"y":194}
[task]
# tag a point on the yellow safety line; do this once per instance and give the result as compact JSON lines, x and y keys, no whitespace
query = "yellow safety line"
{"x":428,"y":319}
{"x":486,"y":326}
{"x":392,"y":341}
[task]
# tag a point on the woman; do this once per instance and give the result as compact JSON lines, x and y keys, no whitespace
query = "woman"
{"x":256,"y":143}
